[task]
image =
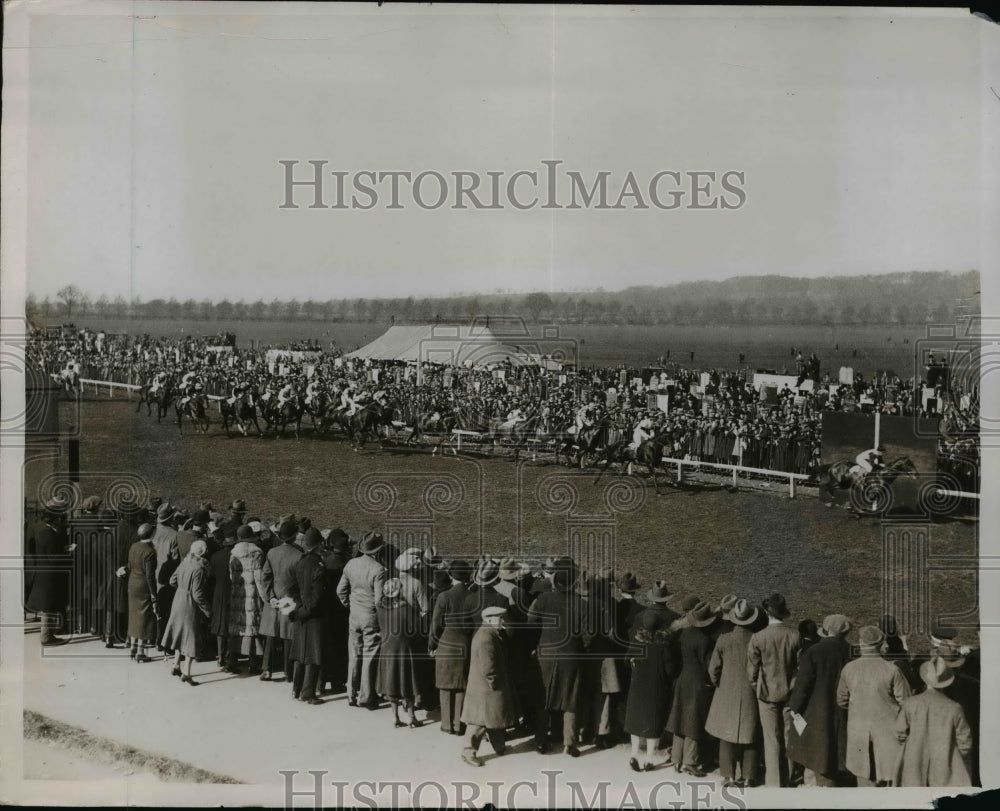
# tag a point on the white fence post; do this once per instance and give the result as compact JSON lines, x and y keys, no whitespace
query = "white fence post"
{"x":791,"y":487}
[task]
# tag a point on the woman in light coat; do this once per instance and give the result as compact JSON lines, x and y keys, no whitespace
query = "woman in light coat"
{"x":246,"y":600}
{"x":186,"y":627}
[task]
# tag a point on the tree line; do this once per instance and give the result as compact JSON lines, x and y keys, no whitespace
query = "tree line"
{"x":899,"y":298}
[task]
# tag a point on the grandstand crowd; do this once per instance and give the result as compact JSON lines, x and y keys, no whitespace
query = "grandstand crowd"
{"x":712,"y":415}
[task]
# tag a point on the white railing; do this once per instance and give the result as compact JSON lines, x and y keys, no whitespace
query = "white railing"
{"x":129,"y":387}
{"x":736,"y":470}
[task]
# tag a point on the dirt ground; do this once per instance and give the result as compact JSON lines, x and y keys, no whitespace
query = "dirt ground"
{"x":704,"y":540}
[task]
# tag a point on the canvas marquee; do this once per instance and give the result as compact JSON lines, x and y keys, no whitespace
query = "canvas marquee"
{"x":449,"y":346}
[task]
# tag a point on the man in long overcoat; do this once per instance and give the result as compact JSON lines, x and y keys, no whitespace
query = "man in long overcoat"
{"x":276,"y":577}
{"x":561,"y":616}
{"x":456,"y":616}
{"x":307,"y":589}
{"x":871,"y":689}
{"x":822,"y":746}
{"x":490,"y":701}
{"x":934,"y":733}
{"x":48,"y":561}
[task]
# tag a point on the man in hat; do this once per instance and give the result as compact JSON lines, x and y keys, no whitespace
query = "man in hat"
{"x":46,"y":547}
{"x":276,"y":577}
{"x":871,"y":690}
{"x":935,"y":735}
{"x":490,"y":702}
{"x":306,"y":589}
{"x":237,"y":512}
{"x":195,"y":529}
{"x":965,"y":690}
{"x":359,"y":590}
{"x":455,"y":618}
{"x":772,"y":655}
{"x":821,"y":746}
{"x":167,"y":559}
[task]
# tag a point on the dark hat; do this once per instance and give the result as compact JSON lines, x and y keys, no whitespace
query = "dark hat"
{"x":287,"y":531}
{"x":488,"y":573}
{"x":651,"y":621}
{"x":742,"y":613}
{"x":628,"y":583}
{"x":702,"y":615}
{"x":888,"y":625}
{"x":372,"y":543}
{"x":338,"y":539}
{"x":285,"y":517}
{"x":658,"y":592}
{"x":688,"y":603}
{"x":949,"y":653}
{"x":239,"y":506}
{"x":145,"y":531}
{"x":943,"y":631}
{"x":441,"y":579}
{"x":460,"y":570}
{"x":164,"y":512}
{"x":312,"y":538}
{"x":775,"y":605}
{"x":201,"y":518}
{"x":936,"y":673}
{"x":563,"y":579}
{"x":304,"y":524}
{"x":245,"y":533}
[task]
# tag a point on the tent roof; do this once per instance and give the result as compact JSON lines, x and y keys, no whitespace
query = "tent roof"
{"x":445,"y":344}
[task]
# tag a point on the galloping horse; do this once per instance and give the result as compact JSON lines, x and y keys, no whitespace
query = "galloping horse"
{"x":289,"y":412}
{"x":840,"y":475}
{"x":649,"y":453}
{"x":371,"y":420}
{"x":196,"y":409}
{"x":437,"y":422}
{"x":241,"y":412}
{"x":515,"y":432}
{"x":577,"y":445}
{"x":319,"y":410}
{"x":69,"y":379}
{"x":163,"y":397}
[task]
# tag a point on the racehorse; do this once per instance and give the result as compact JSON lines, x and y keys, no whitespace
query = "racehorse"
{"x":278,"y":417}
{"x":870,"y":488}
{"x":578,"y":445}
{"x":649,"y":453}
{"x":196,"y":409}
{"x":516,"y":433}
{"x":319,"y":411}
{"x":69,"y":379}
{"x":437,"y":422}
{"x":163,"y":397}
{"x":371,"y":420}
{"x":240,"y":412}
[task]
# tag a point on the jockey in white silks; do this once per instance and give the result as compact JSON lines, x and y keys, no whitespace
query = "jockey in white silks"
{"x":159,"y":380}
{"x":514,"y":416}
{"x":312,"y":389}
{"x":585,"y":416}
{"x":869,"y":461}
{"x":286,"y":393}
{"x":347,"y":403}
{"x":189,"y":385}
{"x":379,"y":397}
{"x":643,"y":430}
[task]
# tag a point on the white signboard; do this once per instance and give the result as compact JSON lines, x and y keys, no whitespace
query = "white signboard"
{"x":761,"y":379}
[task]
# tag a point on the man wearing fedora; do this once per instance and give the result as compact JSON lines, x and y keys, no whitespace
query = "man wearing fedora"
{"x":871,"y":690}
{"x":490,"y":703}
{"x":822,"y":745}
{"x":560,"y":615}
{"x":193,"y":530}
{"x":48,"y":560}
{"x":964,"y":690}
{"x":167,"y":559}
{"x":656,"y":597}
{"x":306,"y":589}
{"x":455,"y":619}
{"x":276,"y":577}
{"x":733,"y":717}
{"x":772,"y":655}
{"x":359,"y":590}
{"x":935,"y":736}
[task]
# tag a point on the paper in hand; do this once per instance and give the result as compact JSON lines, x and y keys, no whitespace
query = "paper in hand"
{"x":286,"y":605}
{"x":799,"y":723}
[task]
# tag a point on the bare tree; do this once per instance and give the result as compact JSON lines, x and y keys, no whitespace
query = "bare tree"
{"x":70,"y":296}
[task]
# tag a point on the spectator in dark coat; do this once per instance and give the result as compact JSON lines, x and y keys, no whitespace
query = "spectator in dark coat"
{"x":167,"y":559}
{"x":48,"y":558}
{"x":561,"y":616}
{"x":219,"y":628}
{"x":455,"y":618}
{"x":112,"y":591}
{"x":398,"y":678}
{"x":692,"y":691}
{"x":141,"y":572}
{"x":605,"y":665}
{"x":307,"y":591}
{"x":822,"y":745}
{"x":654,"y":666}
{"x":733,"y":717}
{"x":336,"y":553}
{"x":185,"y":629}
{"x":276,"y":575}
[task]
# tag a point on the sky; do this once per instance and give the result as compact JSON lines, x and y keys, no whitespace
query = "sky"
{"x":154,"y":141}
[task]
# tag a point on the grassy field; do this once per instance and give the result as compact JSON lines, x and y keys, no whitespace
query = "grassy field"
{"x":864,"y":348}
{"x":704,"y":541}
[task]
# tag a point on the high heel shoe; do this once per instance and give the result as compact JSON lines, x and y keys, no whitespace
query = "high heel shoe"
{"x":398,"y":724}
{"x":142,"y":657}
{"x":189,"y":680}
{"x":414,"y":723}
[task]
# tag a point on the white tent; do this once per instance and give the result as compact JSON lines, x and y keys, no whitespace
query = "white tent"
{"x":449,"y":345}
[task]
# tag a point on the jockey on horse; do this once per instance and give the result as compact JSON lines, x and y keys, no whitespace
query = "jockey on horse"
{"x":869,"y":462}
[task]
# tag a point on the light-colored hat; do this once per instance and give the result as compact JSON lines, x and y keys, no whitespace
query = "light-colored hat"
{"x":835,"y":625}
{"x":408,"y":560}
{"x":936,"y":673}
{"x":494,"y":611}
{"x":870,"y":636}
{"x":742,"y":613}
